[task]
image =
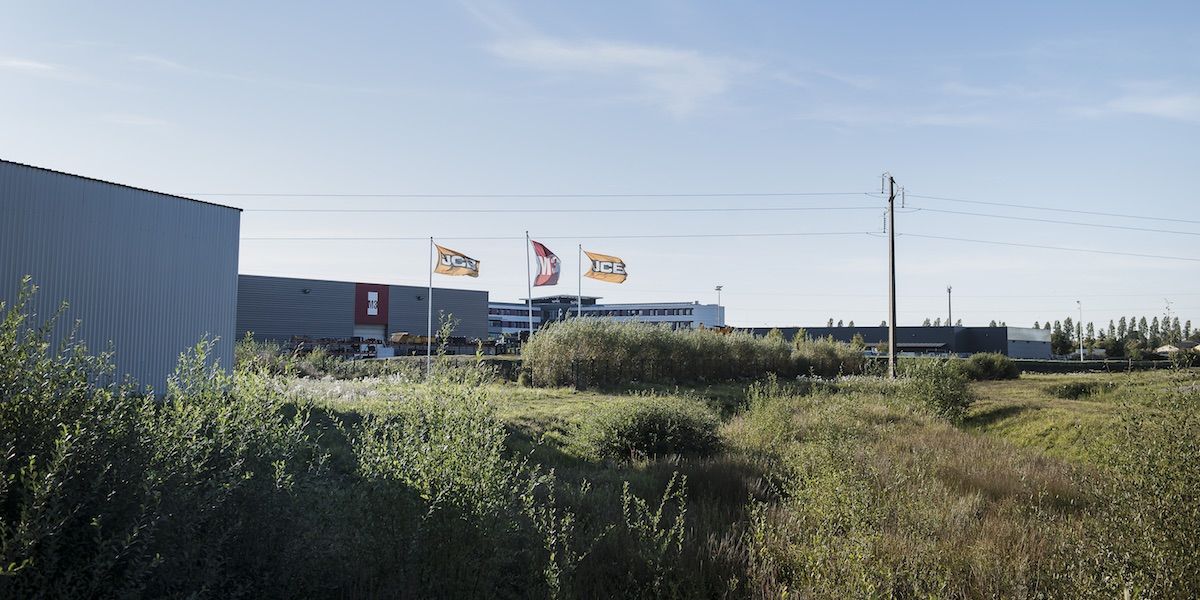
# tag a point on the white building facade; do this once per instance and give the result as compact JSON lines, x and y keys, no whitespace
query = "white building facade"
{"x":512,"y":318}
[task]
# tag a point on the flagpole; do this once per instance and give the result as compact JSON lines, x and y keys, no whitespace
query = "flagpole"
{"x":528,"y":284}
{"x":579,"y":274}
{"x":429,"y":316}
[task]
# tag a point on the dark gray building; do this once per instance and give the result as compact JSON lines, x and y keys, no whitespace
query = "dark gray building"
{"x":1016,"y":342}
{"x":279,"y":308}
{"x":144,"y":273}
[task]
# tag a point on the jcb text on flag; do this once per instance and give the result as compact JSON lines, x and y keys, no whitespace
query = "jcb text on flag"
{"x":606,"y":268}
{"x":455,"y":263}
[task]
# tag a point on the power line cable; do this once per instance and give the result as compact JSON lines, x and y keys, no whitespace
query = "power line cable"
{"x":1063,"y":210}
{"x":559,"y":210}
{"x":955,"y":239}
{"x":1056,"y":221}
{"x":561,"y":237}
{"x":542,"y":196}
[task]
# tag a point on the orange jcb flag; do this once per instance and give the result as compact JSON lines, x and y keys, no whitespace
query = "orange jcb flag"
{"x":606,"y":268}
{"x":455,"y":263}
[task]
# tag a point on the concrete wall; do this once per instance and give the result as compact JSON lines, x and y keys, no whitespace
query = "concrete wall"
{"x":149,"y":273}
{"x":278,"y":308}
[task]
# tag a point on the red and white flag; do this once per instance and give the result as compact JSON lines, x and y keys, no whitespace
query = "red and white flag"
{"x":548,"y":265}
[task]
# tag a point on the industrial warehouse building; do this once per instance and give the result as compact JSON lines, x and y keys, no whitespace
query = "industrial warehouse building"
{"x":1016,"y":342}
{"x":281,"y":308}
{"x":512,"y":318}
{"x":145,"y":274}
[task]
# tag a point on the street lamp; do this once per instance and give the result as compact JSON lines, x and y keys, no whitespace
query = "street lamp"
{"x":949,"y":307}
{"x":720,"y":312}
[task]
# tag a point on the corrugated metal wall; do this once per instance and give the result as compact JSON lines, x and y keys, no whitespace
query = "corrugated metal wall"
{"x":408,"y":310}
{"x":278,"y":308}
{"x":147,"y":272}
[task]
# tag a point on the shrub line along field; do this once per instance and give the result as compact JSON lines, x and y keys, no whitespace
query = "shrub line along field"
{"x":684,"y":464}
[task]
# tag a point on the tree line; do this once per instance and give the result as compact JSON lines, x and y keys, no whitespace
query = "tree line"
{"x":1130,"y":337}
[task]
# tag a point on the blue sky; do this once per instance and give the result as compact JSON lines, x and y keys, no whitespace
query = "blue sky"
{"x":1089,"y":106}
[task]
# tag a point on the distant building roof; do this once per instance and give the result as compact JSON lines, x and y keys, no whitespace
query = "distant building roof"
{"x":562,"y":299}
{"x":1184,"y":346}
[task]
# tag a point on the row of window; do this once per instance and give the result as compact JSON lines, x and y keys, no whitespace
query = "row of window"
{"x":523,"y":325}
{"x":511,"y":312}
{"x":510,"y":324}
{"x":640,"y":312}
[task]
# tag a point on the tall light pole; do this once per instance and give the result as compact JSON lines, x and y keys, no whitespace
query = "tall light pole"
{"x":949,"y":307}
{"x":1170,"y":336}
{"x":720,"y":311}
{"x":1079,"y":327}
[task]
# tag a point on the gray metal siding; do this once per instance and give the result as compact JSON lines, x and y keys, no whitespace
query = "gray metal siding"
{"x":277,"y":308}
{"x":408,"y":310}
{"x":144,"y":273}
{"x":1029,"y":349}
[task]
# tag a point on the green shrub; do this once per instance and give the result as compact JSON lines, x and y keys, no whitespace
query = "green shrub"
{"x":987,"y":366}
{"x":939,"y":385}
{"x":106,"y":491}
{"x":1074,"y":390}
{"x":447,"y":511}
{"x":648,"y":426}
{"x":218,"y":489}
{"x":827,"y":358}
{"x":1147,"y":537}
{"x":599,"y":352}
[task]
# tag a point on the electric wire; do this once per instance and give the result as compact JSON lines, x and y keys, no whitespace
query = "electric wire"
{"x":1063,"y":210}
{"x":1088,"y":250}
{"x":536,"y":196}
{"x":557,"y":237}
{"x":560,"y":210}
{"x":1056,"y":221}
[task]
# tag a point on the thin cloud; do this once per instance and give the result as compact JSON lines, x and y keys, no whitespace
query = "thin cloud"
{"x":159,"y":61}
{"x":135,"y":120}
{"x":1175,"y":106}
{"x":677,"y":80}
{"x":26,"y":65}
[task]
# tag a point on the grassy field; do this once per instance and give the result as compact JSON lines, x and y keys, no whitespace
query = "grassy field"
{"x":318,"y":478}
{"x":843,"y":488}
{"x":1067,"y":416}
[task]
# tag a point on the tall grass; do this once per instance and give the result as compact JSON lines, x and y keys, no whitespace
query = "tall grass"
{"x":599,"y":352}
{"x":229,"y":486}
{"x":882,"y":498}
{"x":105,"y":491}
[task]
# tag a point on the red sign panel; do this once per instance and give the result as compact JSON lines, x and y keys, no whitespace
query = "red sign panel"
{"x":370,"y":304}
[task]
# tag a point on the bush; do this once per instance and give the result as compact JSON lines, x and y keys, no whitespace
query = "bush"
{"x":988,"y":366}
{"x":826,"y":357}
{"x":939,"y":385}
{"x":599,"y":352}
{"x":106,"y":491}
{"x":1147,"y":536}
{"x":219,"y":490}
{"x":446,"y":512}
{"x":650,"y":426}
{"x":270,"y":357}
{"x":1074,"y":390}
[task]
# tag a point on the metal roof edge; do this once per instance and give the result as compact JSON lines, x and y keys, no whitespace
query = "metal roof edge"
{"x":132,"y":187}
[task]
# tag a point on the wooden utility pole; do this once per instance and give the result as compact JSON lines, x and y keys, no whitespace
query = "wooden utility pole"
{"x":891,"y":191}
